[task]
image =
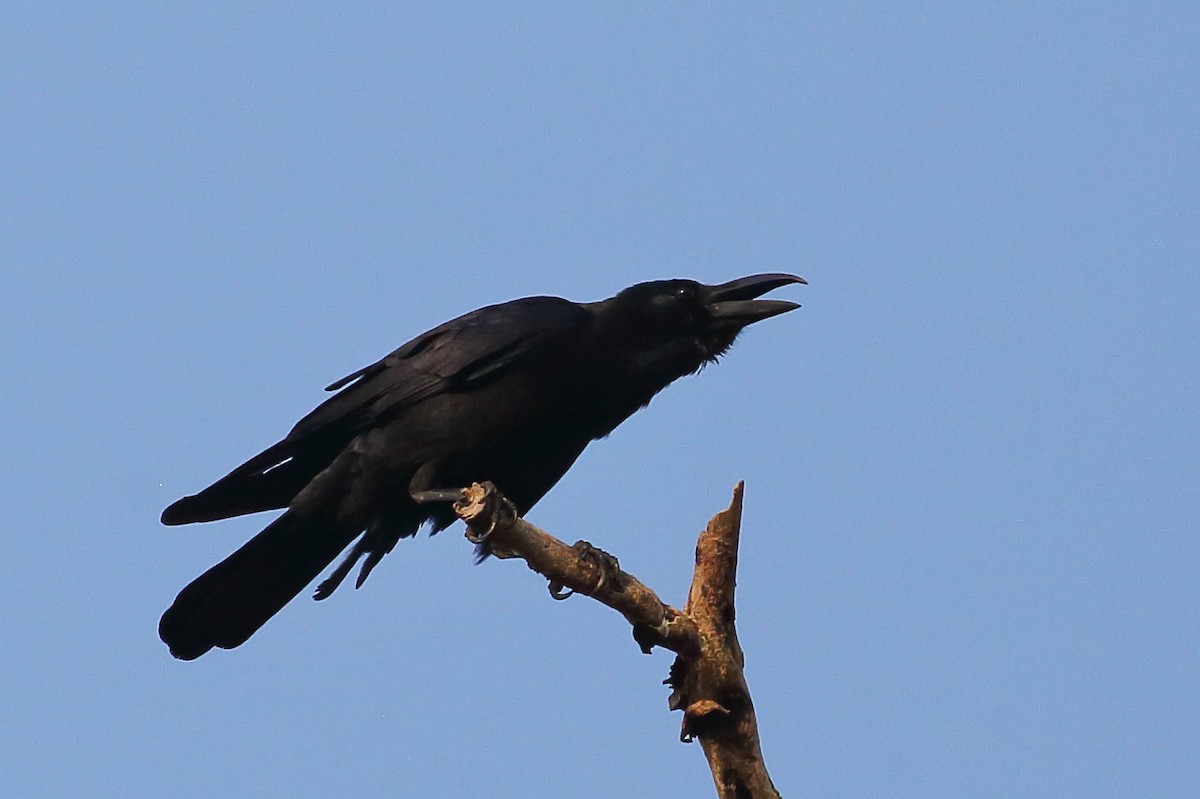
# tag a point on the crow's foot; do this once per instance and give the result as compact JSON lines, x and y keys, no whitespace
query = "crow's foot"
{"x":607,"y":568}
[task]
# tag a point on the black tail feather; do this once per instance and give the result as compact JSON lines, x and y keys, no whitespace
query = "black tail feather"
{"x":225,"y":606}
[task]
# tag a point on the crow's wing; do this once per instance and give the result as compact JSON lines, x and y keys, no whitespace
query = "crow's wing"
{"x":462,"y":353}
{"x":454,"y":356}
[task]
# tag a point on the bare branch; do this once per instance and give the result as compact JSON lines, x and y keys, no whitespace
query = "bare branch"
{"x":492,"y":518}
{"x":706,"y":678}
{"x":711,"y":688}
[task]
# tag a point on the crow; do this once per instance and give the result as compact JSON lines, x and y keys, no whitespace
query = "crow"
{"x":510,"y":393}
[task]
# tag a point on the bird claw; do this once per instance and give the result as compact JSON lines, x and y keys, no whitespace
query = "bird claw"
{"x":558,"y":591}
{"x":501,"y":512}
{"x":606,"y":566}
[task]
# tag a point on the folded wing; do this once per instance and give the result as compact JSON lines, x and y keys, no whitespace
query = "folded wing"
{"x":456,"y":356}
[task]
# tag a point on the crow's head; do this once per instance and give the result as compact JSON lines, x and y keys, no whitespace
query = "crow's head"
{"x":686,"y":316}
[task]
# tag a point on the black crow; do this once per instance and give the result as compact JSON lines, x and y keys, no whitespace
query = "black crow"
{"x":510,"y":393}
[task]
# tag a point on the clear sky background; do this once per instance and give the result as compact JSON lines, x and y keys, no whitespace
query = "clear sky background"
{"x":970,"y":557}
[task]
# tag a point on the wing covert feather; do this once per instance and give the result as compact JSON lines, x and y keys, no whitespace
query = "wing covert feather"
{"x":460,"y":353}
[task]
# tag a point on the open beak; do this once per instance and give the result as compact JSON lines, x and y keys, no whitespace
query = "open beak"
{"x":736,"y":301}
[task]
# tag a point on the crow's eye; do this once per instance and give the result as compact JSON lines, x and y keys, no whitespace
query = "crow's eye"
{"x":685,"y":292}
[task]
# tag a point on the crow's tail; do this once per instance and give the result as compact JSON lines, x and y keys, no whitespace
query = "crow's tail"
{"x":225,"y":606}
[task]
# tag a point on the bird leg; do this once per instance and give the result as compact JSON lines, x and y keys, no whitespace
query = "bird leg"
{"x":498,"y":512}
{"x":436,"y":496}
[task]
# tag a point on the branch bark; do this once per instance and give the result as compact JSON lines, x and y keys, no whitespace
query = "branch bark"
{"x":707,"y":679}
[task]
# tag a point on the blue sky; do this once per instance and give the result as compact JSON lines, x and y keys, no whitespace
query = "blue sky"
{"x":970,"y":554}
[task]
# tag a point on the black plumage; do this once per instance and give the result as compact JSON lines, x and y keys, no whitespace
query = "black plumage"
{"x":510,"y":393}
